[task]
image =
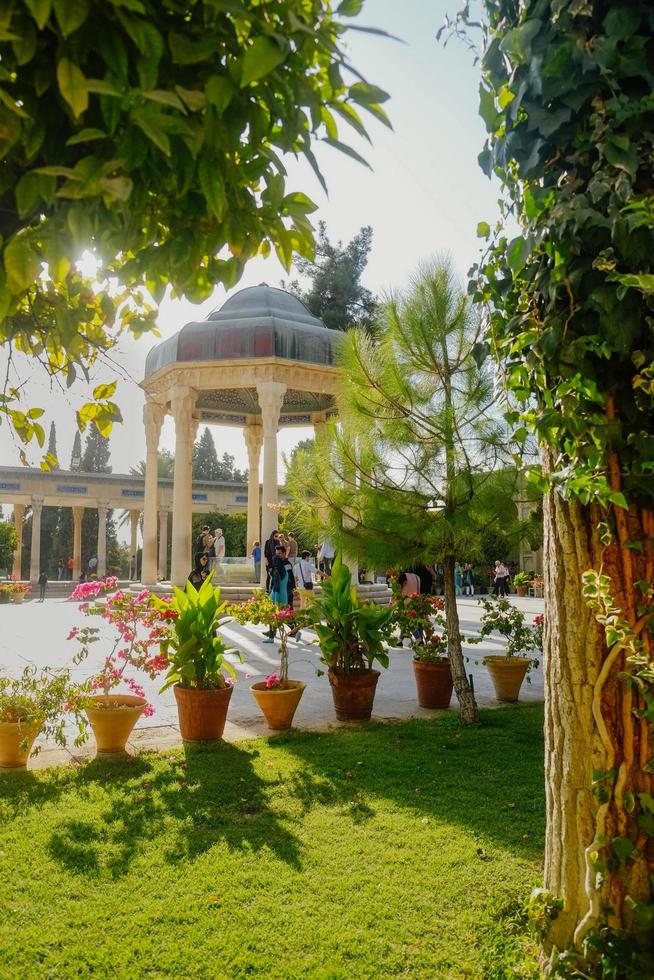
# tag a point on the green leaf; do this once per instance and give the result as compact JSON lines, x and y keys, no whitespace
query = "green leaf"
{"x":164,"y":98}
{"x":349,"y":8}
{"x":72,"y":86}
{"x":99,"y":86}
{"x":623,"y":848}
{"x":40,"y":11}
{"x":218,"y":92}
{"x":483,"y":229}
{"x":260,"y":59}
{"x":86,"y":136}
{"x":21,"y":264}
{"x":213,"y":186}
{"x":154,"y":133}
{"x":620,"y":154}
{"x":193,"y":98}
{"x":362,"y":93}
{"x":70,"y":14}
{"x":344,"y":148}
{"x":487,"y":109}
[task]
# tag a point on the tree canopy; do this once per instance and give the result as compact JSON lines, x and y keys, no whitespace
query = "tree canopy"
{"x":152,"y":135}
{"x":335,"y":291}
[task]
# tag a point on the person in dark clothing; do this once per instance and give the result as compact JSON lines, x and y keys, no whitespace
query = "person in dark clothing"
{"x":200,"y":570}
{"x":268,"y":556}
{"x":202,"y":543}
{"x":426,"y":577}
{"x":43,"y":582}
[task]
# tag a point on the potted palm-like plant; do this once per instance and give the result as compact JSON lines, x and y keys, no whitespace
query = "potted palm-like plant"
{"x":508,"y":671}
{"x":351,"y":635}
{"x":521,"y":581}
{"x":278,"y":696}
{"x":32,"y":704}
{"x":196,"y":653}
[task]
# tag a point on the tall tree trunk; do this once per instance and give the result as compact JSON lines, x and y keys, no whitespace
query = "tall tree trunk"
{"x":469,"y":709}
{"x":596,"y":749}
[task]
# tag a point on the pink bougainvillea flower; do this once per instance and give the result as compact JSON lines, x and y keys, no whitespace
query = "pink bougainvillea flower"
{"x":248,"y":675}
{"x":73,"y":633}
{"x":272,"y":680}
{"x":229,"y":681}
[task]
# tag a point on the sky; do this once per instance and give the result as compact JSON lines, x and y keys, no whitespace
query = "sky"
{"x":424,"y":195}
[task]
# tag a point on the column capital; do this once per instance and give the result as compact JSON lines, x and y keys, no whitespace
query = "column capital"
{"x":153,"y":416}
{"x":78,"y":513}
{"x":103,"y":508}
{"x":165,"y":509}
{"x":271,"y":397}
{"x":253,"y":435}
{"x":182,"y":403}
{"x":37,"y":502}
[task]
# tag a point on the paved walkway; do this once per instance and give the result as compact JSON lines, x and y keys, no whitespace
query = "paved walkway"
{"x":36,"y":633}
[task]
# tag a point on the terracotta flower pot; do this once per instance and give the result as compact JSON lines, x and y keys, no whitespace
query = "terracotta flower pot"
{"x":507,"y":675}
{"x":19,"y":597}
{"x":278,"y":704}
{"x":113,"y":725}
{"x":353,"y":694}
{"x":12,"y":733}
{"x":202,"y":714}
{"x":434,"y":683}
{"x":520,"y":590}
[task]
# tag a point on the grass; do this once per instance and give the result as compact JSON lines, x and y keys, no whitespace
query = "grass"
{"x":380,"y":851}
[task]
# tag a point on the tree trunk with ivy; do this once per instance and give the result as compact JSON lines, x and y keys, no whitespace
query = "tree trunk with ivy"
{"x":597,"y":748}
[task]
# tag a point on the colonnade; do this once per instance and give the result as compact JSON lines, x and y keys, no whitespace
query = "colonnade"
{"x":36,"y":505}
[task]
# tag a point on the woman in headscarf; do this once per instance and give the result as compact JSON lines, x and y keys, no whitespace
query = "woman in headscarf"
{"x":200,"y":570}
{"x":268,"y":555}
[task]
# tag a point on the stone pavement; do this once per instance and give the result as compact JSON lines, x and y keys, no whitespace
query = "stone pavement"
{"x":36,"y":633}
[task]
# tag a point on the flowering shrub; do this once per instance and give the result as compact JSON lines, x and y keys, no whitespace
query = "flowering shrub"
{"x":502,"y":617}
{"x":537,"y":627}
{"x":6,"y":592}
{"x":91,"y":590}
{"x":40,"y":698}
{"x":420,"y":617}
{"x":140,"y":629}
{"x":22,"y":588}
{"x":262,"y":611}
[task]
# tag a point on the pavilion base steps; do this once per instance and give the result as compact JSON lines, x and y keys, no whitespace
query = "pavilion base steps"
{"x":235,"y":592}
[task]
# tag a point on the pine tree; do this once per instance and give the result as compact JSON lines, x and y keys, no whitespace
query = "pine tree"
{"x":76,"y":454}
{"x":205,"y":458}
{"x":95,"y":458}
{"x":52,"y":447}
{"x":335,"y":293}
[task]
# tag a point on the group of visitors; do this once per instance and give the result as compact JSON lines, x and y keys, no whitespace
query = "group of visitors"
{"x":285,"y":546}
{"x":464,"y":582}
{"x":211,"y":545}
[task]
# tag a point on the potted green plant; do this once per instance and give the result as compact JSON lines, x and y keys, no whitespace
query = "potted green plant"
{"x":6,"y":592}
{"x":351,"y":635}
{"x":196,"y":653}
{"x":35,"y":702}
{"x":508,"y":671}
{"x":521,"y":581}
{"x":112,"y":699}
{"x":278,"y":696}
{"x":420,"y":617}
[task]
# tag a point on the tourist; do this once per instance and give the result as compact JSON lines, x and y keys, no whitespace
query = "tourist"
{"x":256,"y":557}
{"x":327,"y":555}
{"x":269,"y":554}
{"x":305,"y":569}
{"x":43,"y":582}
{"x":278,"y":584}
{"x":468,"y":580}
{"x":132,"y":568}
{"x":217,"y":552}
{"x":204,"y":541}
{"x":200,"y":570}
{"x":501,"y":578}
{"x":291,"y":548}
{"x":458,"y":579}
{"x":93,"y":564}
{"x":61,"y":570}
{"x":70,"y":565}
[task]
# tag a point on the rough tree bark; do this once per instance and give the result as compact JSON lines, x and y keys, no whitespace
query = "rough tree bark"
{"x":590,"y":726}
{"x":467,"y":701}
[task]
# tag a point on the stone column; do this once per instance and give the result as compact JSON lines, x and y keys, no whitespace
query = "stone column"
{"x":35,"y":552}
{"x":19,"y":517}
{"x":103,"y":513}
{"x":153,"y":416}
{"x":182,"y":404}
{"x":78,"y":514}
{"x":163,"y":543}
{"x":271,"y":396}
{"x":319,"y":423}
{"x":253,"y":441}
{"x":133,"y":542}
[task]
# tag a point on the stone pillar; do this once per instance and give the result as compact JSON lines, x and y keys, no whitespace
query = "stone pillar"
{"x":319,"y":423}
{"x":133,"y":542}
{"x":19,"y":517}
{"x":271,"y":396}
{"x":253,"y":441}
{"x":35,"y":552}
{"x":182,"y":404}
{"x":78,"y":514}
{"x":103,"y":513}
{"x":153,"y":416}
{"x":163,"y":543}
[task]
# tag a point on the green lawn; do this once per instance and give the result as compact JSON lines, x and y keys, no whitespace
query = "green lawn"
{"x":380,"y":851}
